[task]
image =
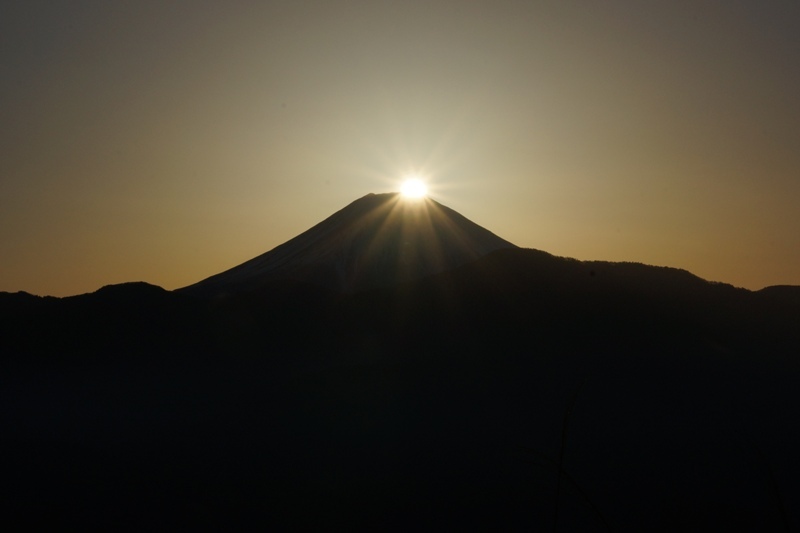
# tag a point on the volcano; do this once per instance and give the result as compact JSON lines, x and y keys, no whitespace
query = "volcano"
{"x":376,"y":241}
{"x":398,"y":365}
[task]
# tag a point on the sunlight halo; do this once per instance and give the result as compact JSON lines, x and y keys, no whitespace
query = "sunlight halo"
{"x":414,"y":188}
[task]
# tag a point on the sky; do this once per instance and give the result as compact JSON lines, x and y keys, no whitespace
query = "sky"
{"x":167,"y":141}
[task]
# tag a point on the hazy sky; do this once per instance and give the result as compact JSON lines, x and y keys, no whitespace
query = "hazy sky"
{"x":168,"y":141}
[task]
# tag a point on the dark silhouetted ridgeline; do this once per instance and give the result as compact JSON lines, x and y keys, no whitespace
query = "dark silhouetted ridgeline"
{"x":520,"y":390}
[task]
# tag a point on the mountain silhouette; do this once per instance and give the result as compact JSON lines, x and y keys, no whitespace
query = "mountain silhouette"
{"x":377,"y":241}
{"x":398,"y":365}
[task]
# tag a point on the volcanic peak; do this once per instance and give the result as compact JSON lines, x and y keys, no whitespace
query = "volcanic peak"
{"x":376,"y":241}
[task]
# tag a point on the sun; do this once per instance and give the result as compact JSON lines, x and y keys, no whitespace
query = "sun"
{"x":414,"y":187}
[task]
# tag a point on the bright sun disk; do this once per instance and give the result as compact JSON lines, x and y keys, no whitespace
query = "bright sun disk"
{"x":414,"y":188}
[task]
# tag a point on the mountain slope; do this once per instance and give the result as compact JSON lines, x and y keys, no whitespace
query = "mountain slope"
{"x":376,"y":241}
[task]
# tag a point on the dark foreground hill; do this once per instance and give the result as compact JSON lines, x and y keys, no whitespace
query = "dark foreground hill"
{"x":519,"y":391}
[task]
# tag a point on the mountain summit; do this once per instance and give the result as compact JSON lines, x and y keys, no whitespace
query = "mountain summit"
{"x":377,"y":241}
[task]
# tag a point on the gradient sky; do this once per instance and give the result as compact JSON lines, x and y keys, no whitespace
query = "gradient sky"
{"x":168,"y":141}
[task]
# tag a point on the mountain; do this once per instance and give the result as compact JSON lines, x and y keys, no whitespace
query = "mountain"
{"x":377,"y":241}
{"x":397,"y":365}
